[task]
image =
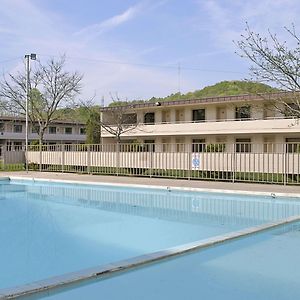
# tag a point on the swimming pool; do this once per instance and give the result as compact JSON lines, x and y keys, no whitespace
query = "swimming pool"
{"x":262,"y":266}
{"x":49,"y":229}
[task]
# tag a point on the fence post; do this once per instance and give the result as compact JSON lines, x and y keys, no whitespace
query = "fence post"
{"x":62,"y":158}
{"x":40,"y":150}
{"x":190,"y":153}
{"x":118,"y":158}
{"x":233,"y":159}
{"x":284,"y":164}
{"x":89,"y":159}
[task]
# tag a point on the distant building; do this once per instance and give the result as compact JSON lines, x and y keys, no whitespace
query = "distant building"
{"x":244,"y":119}
{"x":12,"y":133}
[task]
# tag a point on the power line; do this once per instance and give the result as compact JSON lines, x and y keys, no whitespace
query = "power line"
{"x":146,"y":65}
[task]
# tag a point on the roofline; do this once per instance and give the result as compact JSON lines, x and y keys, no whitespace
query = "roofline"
{"x":216,"y":99}
{"x":18,"y":118}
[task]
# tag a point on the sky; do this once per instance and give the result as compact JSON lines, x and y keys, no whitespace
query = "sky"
{"x":142,"y":48}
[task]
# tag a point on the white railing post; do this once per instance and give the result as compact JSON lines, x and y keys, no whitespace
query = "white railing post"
{"x":189,"y":152}
{"x":233,"y":161}
{"x":88,"y":159}
{"x":41,"y":154}
{"x":62,"y":158}
{"x":285,"y":163}
{"x":118,"y":158}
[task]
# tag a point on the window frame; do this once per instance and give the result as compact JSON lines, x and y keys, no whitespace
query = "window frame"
{"x":69,"y":133}
{"x":50,"y":130}
{"x":17,"y":126}
{"x":199,"y":115}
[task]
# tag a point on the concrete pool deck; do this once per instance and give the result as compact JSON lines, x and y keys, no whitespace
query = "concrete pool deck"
{"x":249,"y":188}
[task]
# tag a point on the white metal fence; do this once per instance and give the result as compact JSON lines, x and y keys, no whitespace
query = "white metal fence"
{"x":12,"y":159}
{"x":266,"y":163}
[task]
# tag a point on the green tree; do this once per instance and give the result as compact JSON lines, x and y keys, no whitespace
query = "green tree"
{"x":93,"y":127}
{"x":51,"y":89}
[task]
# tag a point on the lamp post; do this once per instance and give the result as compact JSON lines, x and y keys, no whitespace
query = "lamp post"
{"x":28,"y":57}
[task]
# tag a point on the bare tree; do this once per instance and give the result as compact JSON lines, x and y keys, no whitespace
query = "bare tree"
{"x":116,"y":119}
{"x":52,"y":89}
{"x":273,"y":61}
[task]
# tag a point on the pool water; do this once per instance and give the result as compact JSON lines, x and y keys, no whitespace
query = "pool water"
{"x":49,"y":229}
{"x":262,"y":266}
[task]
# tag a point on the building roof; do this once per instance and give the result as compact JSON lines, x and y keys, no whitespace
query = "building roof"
{"x":22,"y":119}
{"x":207,"y":100}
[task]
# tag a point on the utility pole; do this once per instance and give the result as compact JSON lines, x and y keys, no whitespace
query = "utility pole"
{"x":28,"y":57}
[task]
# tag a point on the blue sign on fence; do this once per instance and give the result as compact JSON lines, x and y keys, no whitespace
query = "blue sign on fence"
{"x":195,"y":161}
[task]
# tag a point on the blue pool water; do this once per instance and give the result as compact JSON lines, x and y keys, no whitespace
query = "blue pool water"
{"x":261,"y":267}
{"x":49,"y":229}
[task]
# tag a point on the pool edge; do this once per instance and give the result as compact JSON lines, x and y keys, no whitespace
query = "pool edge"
{"x":161,"y":187}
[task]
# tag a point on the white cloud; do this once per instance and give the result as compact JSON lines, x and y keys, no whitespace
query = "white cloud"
{"x":227,"y":19}
{"x":29,"y":29}
{"x":94,"y":30}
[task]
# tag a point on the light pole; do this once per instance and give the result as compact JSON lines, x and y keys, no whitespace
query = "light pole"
{"x":28,"y":57}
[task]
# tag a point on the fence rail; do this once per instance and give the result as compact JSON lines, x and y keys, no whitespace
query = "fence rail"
{"x":239,"y":162}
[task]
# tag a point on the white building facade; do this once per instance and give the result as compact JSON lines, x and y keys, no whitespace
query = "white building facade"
{"x":243,"y":119}
{"x":12,"y":133}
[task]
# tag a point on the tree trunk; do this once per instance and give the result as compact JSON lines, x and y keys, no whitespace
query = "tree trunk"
{"x":41,"y":136}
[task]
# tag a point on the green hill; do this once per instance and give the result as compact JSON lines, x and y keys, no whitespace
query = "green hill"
{"x":223,"y":88}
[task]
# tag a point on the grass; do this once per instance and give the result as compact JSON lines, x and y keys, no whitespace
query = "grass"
{"x":11,"y":167}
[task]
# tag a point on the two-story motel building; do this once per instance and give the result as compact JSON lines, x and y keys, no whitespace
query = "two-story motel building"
{"x":247,"y":119}
{"x":12,"y":133}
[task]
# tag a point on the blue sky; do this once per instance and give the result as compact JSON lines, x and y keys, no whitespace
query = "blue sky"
{"x":134,"y":47}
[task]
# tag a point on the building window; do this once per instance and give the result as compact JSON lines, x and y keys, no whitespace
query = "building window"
{"x":8,"y":146}
{"x":68,"y":147}
{"x":17,"y":146}
{"x":52,"y":130}
{"x":293,"y":145}
{"x":149,"y":145}
{"x":129,"y":119}
{"x":243,"y":145}
{"x":198,"y":115}
{"x":1,"y":127}
{"x":180,"y":145}
{"x":269,"y":144}
{"x":52,"y":146}
{"x":18,"y":128}
{"x":166,"y":146}
{"x":68,"y":130}
{"x":198,"y":145}
{"x":149,"y":118}
{"x":82,"y":130}
{"x":243,"y":113}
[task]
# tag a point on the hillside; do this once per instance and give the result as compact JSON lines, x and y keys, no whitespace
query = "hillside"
{"x":223,"y":88}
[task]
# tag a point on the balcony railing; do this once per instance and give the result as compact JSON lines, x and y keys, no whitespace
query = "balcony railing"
{"x":211,"y":127}
{"x":47,"y":136}
{"x":211,"y":121}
